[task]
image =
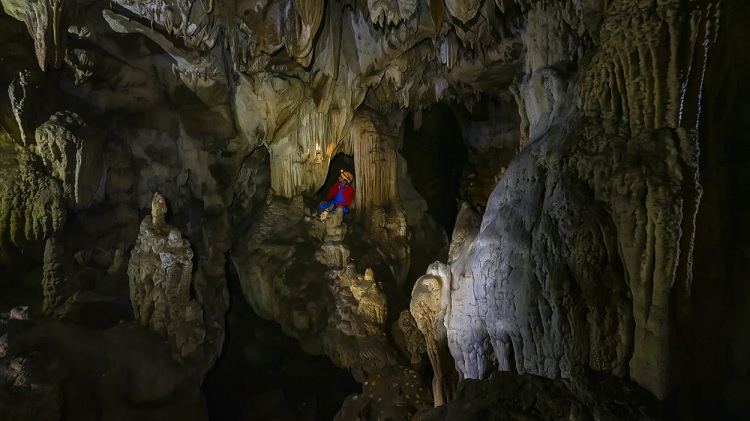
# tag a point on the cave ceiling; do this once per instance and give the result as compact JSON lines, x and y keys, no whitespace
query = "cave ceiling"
{"x":405,"y":54}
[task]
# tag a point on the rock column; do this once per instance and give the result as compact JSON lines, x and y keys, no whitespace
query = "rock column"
{"x":160,"y":272}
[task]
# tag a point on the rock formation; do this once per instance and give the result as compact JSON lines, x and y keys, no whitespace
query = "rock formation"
{"x":390,"y":392}
{"x":569,"y":174}
{"x":54,"y":277}
{"x":508,"y":395}
{"x":328,"y":306}
{"x":32,"y":382}
{"x":356,"y":335}
{"x":161,"y":280}
{"x":409,"y":338}
{"x":531,"y":276}
{"x":430,"y":299}
{"x":53,"y":371}
{"x":73,"y":153}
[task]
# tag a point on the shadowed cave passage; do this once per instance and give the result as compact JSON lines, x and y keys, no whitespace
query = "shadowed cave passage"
{"x":264,"y":375}
{"x":435,"y":153}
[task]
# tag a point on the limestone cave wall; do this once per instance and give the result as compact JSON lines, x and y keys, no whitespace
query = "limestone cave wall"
{"x":593,"y":182}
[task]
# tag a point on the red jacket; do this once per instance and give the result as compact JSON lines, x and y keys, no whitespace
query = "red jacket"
{"x":347,"y":193}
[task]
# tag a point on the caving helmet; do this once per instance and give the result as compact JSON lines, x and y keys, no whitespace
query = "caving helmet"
{"x":347,"y":176}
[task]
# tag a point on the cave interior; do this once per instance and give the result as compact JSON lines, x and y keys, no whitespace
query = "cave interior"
{"x":546,"y":220}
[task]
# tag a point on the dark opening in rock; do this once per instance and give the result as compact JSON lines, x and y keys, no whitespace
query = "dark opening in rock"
{"x":263,"y":374}
{"x":436,"y":156}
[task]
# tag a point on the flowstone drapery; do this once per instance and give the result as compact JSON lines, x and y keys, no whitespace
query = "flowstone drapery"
{"x":377,"y":202}
{"x":584,"y":253}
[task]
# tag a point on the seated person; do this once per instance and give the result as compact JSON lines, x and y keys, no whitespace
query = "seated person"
{"x":340,"y":195}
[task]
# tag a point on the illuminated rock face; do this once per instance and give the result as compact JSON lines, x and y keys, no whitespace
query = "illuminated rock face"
{"x":583,"y":255}
{"x":300,"y":271}
{"x":430,"y":300}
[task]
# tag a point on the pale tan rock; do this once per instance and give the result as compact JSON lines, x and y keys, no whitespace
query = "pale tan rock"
{"x":355,"y":336}
{"x":414,"y":340}
{"x":158,"y":213}
{"x":20,"y":313}
{"x":161,"y":277}
{"x":43,"y":21}
{"x":372,"y":300}
{"x":467,"y":226}
{"x":391,"y":12}
{"x":333,"y":254}
{"x":430,"y":299}
{"x":463,"y":10}
{"x":18,"y":95}
{"x":335,"y":228}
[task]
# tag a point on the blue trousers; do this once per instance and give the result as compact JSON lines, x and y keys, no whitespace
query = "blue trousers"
{"x":333,"y":201}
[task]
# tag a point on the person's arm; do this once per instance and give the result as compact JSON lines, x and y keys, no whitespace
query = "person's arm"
{"x":348,"y":195}
{"x":333,"y":191}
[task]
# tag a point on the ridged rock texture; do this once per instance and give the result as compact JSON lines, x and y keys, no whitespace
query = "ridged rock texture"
{"x":551,"y":283}
{"x":161,"y":280}
{"x":300,"y":271}
{"x":550,"y":189}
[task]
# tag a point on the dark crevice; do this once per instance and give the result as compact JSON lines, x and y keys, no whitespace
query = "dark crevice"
{"x":436,"y":156}
{"x":264,"y":375}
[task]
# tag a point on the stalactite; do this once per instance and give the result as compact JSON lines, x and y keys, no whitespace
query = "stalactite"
{"x":391,"y":12}
{"x":18,"y":101}
{"x":651,"y":51}
{"x":649,"y":82}
{"x":463,"y":10}
{"x":375,"y":163}
{"x":43,"y":20}
{"x":299,"y":160}
{"x":32,"y":205}
{"x":299,"y":38}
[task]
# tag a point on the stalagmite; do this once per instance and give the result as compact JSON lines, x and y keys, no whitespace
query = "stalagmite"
{"x":429,"y":302}
{"x":54,"y":277}
{"x":161,"y":272}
